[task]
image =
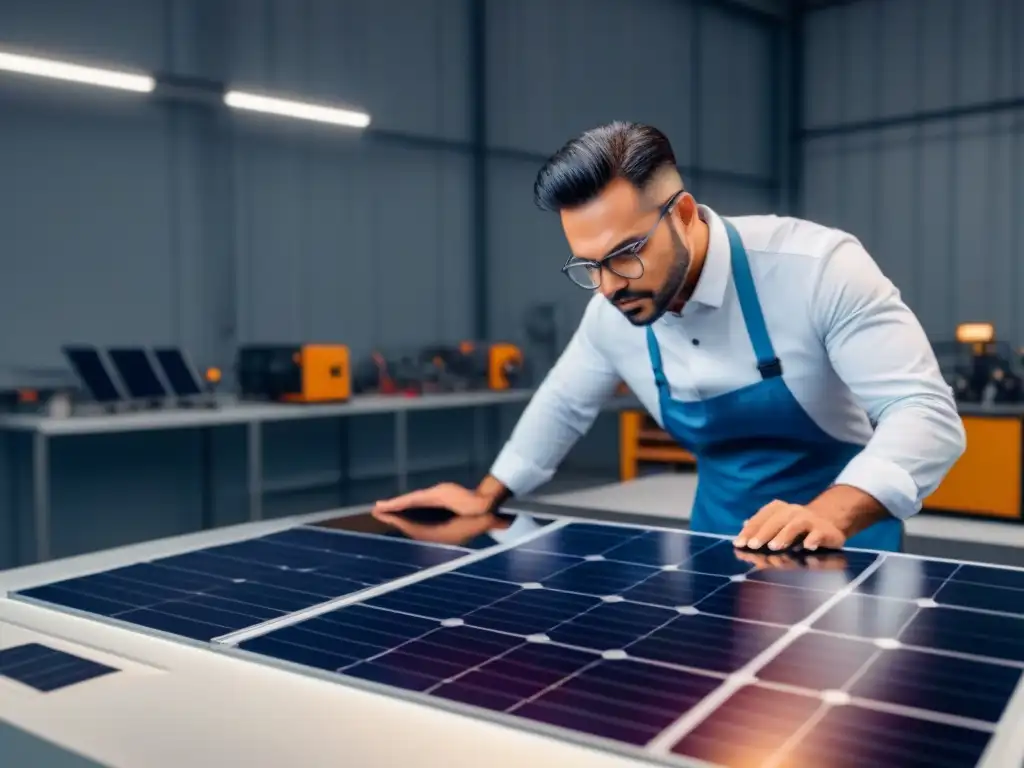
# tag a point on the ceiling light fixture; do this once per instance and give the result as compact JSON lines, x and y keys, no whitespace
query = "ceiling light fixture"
{"x":59,"y":70}
{"x":298,"y":110}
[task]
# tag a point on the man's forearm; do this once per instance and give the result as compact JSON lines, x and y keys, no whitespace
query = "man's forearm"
{"x":494,"y":491}
{"x":850,"y":509}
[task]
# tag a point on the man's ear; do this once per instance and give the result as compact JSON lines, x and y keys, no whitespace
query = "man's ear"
{"x":686,"y":210}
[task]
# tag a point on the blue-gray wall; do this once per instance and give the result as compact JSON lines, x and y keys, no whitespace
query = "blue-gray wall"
{"x":917,"y":147}
{"x":129,"y":221}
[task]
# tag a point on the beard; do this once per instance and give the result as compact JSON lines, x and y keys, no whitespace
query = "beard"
{"x":662,"y":299}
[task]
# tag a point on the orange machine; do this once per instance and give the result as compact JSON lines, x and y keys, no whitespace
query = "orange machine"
{"x":504,"y":366}
{"x":502,"y":363}
{"x":307,"y":373}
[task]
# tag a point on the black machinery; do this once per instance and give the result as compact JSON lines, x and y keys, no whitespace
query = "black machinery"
{"x":979,"y":368}
{"x":464,"y":367}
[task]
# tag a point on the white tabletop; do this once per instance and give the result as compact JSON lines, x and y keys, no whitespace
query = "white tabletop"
{"x":230,"y":412}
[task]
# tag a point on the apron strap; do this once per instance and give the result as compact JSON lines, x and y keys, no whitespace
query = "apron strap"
{"x":654,"y":351}
{"x":767,"y":363}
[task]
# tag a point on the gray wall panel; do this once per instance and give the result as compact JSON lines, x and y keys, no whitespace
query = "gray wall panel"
{"x":558,"y":67}
{"x":735,"y":122}
{"x":897,"y":57}
{"x":403,"y":62}
{"x":351,"y":242}
{"x":527,"y":248}
{"x":127,"y":34}
{"x":733,"y":198}
{"x":936,"y":199}
{"x":823,"y":68}
{"x":894,"y":240}
{"x":88,"y":233}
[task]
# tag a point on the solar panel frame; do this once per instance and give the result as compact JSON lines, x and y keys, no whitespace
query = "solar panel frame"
{"x":658,"y":751}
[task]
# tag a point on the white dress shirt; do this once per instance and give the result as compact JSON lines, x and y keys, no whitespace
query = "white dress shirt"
{"x":853,"y":355}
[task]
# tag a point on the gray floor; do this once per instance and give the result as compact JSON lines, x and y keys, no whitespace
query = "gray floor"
{"x":20,"y":749}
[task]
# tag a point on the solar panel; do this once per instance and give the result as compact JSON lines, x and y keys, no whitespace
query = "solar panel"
{"x":220,"y":590}
{"x":673,"y":645}
{"x":47,"y":669}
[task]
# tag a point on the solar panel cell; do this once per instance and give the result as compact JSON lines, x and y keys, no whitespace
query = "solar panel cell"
{"x":659,"y":548}
{"x":220,"y":590}
{"x":866,"y":616}
{"x":991,"y":577}
{"x":610,"y":626}
{"x":974,"y":633}
{"x":446,"y":596}
{"x":819,"y":662}
{"x":706,"y":642}
{"x":853,"y":737}
{"x":982,"y":597}
{"x":749,"y":728}
{"x":532,"y":611}
{"x":674,"y":589}
{"x":521,"y":566}
{"x":759,"y":727}
{"x":720,"y":558}
{"x":927,"y":681}
{"x":757,"y":601}
{"x":600,"y":578}
{"x":582,"y":539}
{"x":829,"y":572}
{"x":907,"y":578}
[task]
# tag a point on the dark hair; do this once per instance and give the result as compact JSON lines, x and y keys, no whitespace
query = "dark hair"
{"x":578,"y":172}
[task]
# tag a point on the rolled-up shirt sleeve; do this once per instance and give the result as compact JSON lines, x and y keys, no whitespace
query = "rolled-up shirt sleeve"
{"x":561,"y":411}
{"x":879,"y":349}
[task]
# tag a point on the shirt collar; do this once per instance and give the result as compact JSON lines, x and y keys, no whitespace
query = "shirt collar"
{"x":714,"y":277}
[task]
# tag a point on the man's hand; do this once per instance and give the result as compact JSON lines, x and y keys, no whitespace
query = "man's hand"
{"x":457,"y":530}
{"x":778,"y":524}
{"x":828,"y":521}
{"x":455,"y":498}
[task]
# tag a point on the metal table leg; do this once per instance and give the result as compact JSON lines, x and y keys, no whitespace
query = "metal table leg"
{"x":255,"y":448}
{"x":41,"y":494}
{"x":480,"y":414}
{"x":402,"y":450}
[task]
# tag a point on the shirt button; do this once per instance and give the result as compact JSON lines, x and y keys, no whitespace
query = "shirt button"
{"x":696,"y":342}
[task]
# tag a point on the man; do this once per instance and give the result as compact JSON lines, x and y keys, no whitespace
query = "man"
{"x":772,"y":348}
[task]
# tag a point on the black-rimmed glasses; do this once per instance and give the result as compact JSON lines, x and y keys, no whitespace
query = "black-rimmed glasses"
{"x":625,"y":262}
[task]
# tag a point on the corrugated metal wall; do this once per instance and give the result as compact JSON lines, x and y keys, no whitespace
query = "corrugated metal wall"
{"x":128,"y":221}
{"x":558,"y":67}
{"x":915,"y":143}
{"x":166,"y":223}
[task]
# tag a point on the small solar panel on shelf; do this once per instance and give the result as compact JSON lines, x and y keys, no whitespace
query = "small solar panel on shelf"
{"x":675,"y":645}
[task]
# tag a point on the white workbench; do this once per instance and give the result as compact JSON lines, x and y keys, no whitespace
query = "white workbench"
{"x":178,"y":705}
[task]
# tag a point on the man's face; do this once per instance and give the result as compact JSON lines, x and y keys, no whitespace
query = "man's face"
{"x":620,"y":217}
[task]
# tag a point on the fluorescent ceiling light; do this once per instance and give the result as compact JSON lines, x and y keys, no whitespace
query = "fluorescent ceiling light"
{"x":296,"y":109}
{"x":57,"y":70}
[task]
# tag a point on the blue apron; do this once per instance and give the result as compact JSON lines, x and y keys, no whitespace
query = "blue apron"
{"x":756,"y":444}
